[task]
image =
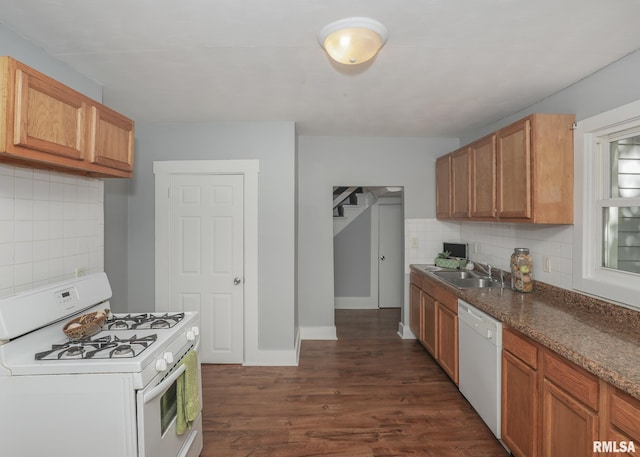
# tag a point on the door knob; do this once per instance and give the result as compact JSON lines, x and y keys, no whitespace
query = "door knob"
{"x":236,"y":281}
{"x":382,"y":258}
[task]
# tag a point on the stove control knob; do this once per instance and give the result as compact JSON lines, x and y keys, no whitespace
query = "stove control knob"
{"x":161,"y":365}
{"x":168,"y":357}
{"x":193,"y":333}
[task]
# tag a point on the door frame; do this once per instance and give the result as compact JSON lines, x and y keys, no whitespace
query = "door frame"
{"x":250,"y":170}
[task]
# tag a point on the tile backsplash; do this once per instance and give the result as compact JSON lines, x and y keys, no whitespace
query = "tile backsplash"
{"x":423,"y":239}
{"x":493,"y":243}
{"x":51,"y":227}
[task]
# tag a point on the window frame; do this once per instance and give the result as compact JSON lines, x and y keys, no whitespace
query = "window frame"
{"x":591,"y":178}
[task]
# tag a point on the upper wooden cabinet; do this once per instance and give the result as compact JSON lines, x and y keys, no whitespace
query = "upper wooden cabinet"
{"x":482,"y":203}
{"x":111,"y":139}
{"x":460,"y":183}
{"x":443,"y":191}
{"x":521,"y":173}
{"x":45,"y":124}
{"x":535,"y":170}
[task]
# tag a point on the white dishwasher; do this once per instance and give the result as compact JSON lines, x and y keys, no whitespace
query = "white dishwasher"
{"x":480,"y":365}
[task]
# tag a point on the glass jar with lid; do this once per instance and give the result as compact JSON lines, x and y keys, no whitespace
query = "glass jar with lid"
{"x":521,"y":270}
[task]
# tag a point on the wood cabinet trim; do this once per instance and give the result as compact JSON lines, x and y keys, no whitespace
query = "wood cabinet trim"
{"x":520,"y":346}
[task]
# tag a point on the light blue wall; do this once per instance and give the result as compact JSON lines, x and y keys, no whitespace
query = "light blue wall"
{"x":325,"y":162}
{"x":14,"y":46}
{"x":352,"y":258}
{"x":273,"y":144}
{"x":612,"y":86}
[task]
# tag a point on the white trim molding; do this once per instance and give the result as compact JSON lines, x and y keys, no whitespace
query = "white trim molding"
{"x":318,"y":333}
{"x":588,"y":274}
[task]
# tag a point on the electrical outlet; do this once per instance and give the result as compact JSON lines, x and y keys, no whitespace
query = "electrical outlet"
{"x":80,"y":271}
{"x":546,"y":264}
{"x":415,"y":243}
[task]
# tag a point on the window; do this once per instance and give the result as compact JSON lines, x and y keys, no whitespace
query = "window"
{"x":607,"y":233}
{"x":620,"y":220}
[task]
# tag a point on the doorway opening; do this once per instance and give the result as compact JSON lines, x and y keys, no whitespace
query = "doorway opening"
{"x":368,"y":247}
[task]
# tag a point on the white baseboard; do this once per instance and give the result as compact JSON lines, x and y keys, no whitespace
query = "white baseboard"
{"x":405,"y":332}
{"x":355,"y":303}
{"x":318,"y":333}
{"x":277,"y":358}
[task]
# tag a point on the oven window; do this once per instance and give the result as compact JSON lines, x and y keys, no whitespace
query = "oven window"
{"x":168,"y":407}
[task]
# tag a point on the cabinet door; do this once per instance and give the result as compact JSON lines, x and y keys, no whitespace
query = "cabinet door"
{"x":447,"y":345}
{"x":514,"y":171}
{"x":443,"y":191}
{"x":428,"y":323}
{"x":483,"y":178}
{"x":569,"y":428}
{"x":414,"y":310}
{"x":460,"y":184}
{"x":48,"y":118}
{"x":519,"y":406}
{"x":111,"y":141}
{"x":624,"y":419}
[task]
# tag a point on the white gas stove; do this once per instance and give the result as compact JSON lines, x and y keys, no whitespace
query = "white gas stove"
{"x":122,"y":380}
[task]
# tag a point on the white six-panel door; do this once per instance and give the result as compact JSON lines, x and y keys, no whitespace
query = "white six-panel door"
{"x":207,"y":259}
{"x":390,"y":256}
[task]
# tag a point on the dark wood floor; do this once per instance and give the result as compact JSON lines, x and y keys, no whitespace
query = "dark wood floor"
{"x":369,"y":394}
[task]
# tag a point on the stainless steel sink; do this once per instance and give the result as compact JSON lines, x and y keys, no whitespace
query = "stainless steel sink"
{"x":467,"y":279}
{"x":474,"y":283}
{"x":447,"y":275}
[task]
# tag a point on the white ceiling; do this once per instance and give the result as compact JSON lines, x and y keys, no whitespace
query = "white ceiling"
{"x":448,"y":66}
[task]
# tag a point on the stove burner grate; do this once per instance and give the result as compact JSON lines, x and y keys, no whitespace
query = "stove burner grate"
{"x":143,"y":321}
{"x":105,"y":347}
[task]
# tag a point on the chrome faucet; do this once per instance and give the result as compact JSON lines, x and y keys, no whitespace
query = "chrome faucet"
{"x":486,"y":268}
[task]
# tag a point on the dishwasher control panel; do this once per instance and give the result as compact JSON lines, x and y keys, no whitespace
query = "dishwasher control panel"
{"x":485,"y":325}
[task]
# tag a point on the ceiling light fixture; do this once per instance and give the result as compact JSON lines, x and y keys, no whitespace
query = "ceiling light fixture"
{"x":354,"y":40}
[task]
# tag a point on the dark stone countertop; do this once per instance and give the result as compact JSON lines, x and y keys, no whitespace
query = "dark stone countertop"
{"x":599,"y":336}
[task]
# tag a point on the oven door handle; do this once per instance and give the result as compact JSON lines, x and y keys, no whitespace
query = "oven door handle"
{"x":164,"y":384}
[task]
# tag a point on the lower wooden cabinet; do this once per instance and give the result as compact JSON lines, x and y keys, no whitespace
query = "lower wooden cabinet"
{"x":414,"y":309}
{"x":569,"y":427}
{"x":552,"y":407}
{"x":519,"y":405}
{"x":438,"y":322}
{"x":622,"y":424}
{"x":447,"y":345}
{"x":428,"y":324}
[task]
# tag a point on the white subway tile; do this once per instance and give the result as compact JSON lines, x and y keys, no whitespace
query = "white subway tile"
{"x":7,"y":230}
{"x":7,"y":208}
{"x":7,"y":186}
{"x":23,"y":188}
{"x":23,"y":275}
{"x":24,"y":252}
